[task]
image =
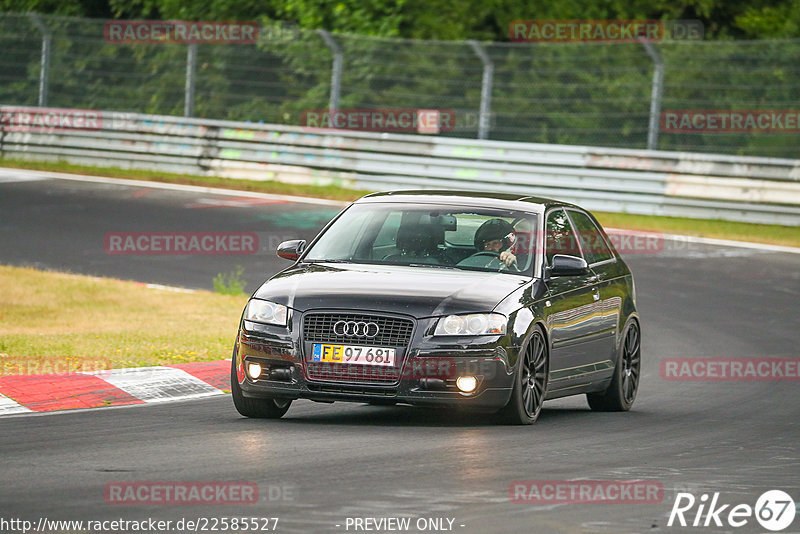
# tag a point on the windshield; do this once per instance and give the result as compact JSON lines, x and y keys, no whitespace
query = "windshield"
{"x":442,"y":236}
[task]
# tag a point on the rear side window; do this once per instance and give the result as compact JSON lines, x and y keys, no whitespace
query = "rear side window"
{"x":593,"y":244}
{"x":560,"y":238}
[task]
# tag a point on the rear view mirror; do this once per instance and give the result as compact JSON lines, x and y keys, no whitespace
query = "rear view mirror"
{"x":565,"y":265}
{"x":291,"y":250}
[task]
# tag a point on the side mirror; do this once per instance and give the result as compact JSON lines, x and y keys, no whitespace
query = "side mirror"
{"x":565,"y":265}
{"x":291,"y":250}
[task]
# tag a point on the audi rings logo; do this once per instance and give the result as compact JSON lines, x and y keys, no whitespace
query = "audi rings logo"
{"x":355,"y":329}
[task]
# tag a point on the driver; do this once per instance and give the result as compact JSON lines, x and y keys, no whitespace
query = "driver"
{"x":496,"y":235}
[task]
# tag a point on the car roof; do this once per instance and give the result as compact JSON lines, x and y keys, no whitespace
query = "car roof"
{"x":467,"y":198}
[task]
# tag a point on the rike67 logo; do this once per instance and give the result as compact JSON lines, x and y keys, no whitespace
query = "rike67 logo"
{"x":774,"y":511}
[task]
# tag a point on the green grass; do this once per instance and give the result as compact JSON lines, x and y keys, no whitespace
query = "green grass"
{"x":230,"y":283}
{"x":760,"y":233}
{"x":59,"y":322}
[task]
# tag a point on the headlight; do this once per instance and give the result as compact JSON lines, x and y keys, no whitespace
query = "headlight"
{"x":474,"y":324}
{"x":263,"y":311}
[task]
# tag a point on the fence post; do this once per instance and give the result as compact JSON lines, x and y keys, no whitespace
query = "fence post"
{"x":336,"y":69}
{"x":191,"y":71}
{"x":486,"y":89}
{"x":44,"y":70}
{"x":655,"y":97}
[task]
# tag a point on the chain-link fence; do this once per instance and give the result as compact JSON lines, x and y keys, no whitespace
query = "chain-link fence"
{"x":594,"y":94}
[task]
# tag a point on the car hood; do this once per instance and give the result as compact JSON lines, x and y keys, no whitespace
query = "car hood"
{"x":416,"y":291}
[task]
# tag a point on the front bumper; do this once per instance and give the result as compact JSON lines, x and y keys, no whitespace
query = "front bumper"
{"x":427,"y":375}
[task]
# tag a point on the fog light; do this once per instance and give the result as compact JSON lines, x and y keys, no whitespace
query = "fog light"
{"x":254,"y":370}
{"x":467,"y":384}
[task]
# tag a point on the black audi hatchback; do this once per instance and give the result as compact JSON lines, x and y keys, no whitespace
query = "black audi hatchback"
{"x":491,"y":302}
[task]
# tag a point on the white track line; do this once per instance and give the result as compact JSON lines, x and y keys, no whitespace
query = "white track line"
{"x":709,"y":241}
{"x":148,"y":285}
{"x":170,"y":288}
{"x":160,"y":185}
{"x":8,"y":178}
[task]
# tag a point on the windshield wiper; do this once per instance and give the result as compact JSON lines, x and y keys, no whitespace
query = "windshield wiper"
{"x":435,"y":266}
{"x":327,"y":261}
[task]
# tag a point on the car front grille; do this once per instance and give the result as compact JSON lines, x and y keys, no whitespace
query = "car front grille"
{"x":354,"y":389}
{"x":392,"y":331}
{"x":352,"y":373}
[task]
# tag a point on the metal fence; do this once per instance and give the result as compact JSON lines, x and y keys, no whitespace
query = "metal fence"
{"x":578,"y":93}
{"x":734,"y":188}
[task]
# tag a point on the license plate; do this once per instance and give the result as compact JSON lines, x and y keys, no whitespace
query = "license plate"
{"x":356,"y":354}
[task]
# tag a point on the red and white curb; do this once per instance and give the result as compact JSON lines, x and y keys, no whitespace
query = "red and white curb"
{"x":139,"y":385}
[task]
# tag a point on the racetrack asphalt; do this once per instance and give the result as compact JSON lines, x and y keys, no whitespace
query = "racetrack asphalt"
{"x":322,"y":464}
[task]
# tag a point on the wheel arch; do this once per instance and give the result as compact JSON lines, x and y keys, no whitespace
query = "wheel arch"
{"x":620,"y":337}
{"x":536,"y":323}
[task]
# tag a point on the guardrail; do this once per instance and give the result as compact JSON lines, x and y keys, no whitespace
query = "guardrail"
{"x":751,"y":189}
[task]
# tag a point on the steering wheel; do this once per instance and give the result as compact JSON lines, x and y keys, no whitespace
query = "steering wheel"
{"x":495,"y":262}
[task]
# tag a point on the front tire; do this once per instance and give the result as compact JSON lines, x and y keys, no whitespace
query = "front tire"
{"x":621,"y":392}
{"x":255,"y":408}
{"x":530,"y":383}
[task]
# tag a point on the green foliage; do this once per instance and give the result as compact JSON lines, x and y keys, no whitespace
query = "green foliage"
{"x":443,"y":19}
{"x":778,"y":21}
{"x":583,"y":94}
{"x":75,"y":8}
{"x":230,"y":283}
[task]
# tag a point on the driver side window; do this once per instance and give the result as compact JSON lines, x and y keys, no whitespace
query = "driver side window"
{"x":559,"y":236}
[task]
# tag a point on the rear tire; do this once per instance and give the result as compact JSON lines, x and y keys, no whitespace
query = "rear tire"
{"x":621,"y":392}
{"x":255,"y":408}
{"x":530,"y":383}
